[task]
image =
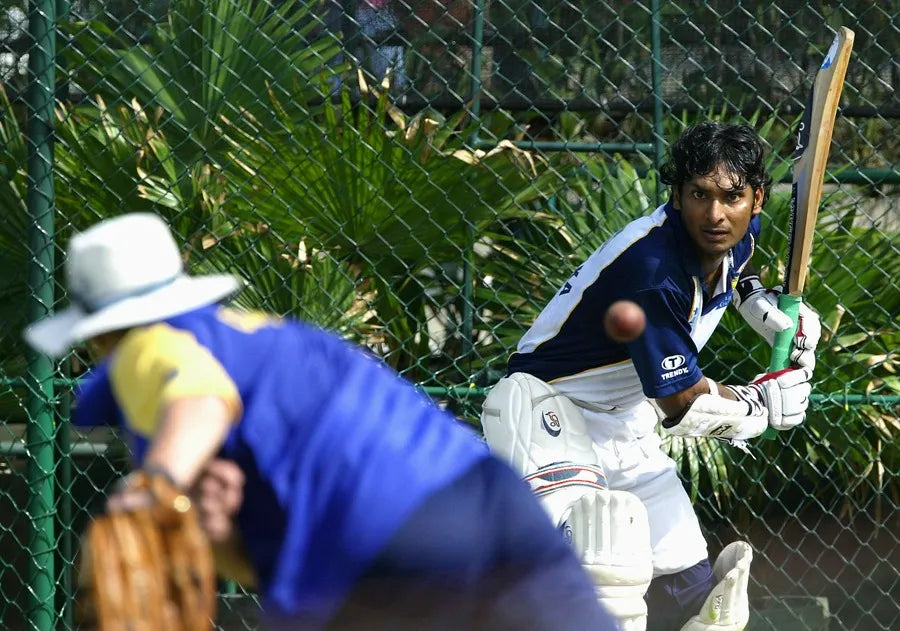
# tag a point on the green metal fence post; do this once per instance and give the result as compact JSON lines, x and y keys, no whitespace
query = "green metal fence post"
{"x":40,"y":200}
{"x":468,"y":308}
{"x":477,"y":51}
{"x":656,"y":80}
{"x":63,"y":481}
{"x":63,"y":478}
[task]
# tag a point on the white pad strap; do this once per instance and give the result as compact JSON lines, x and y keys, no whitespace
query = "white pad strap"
{"x":727,"y":608}
{"x":610,"y":533}
{"x":560,"y":475}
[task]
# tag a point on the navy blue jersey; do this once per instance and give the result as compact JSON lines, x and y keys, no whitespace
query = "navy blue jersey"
{"x":653,"y":263}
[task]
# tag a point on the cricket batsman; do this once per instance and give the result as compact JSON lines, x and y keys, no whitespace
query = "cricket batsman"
{"x":579,"y":400}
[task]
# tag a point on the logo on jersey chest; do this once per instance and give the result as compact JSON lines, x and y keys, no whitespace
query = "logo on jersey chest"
{"x":674,"y":366}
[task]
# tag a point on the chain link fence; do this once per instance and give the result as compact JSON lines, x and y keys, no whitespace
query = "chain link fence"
{"x":422,"y":175}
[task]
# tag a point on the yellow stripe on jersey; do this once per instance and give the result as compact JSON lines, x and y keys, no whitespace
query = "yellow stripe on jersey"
{"x":247,"y":321}
{"x":157,"y":364}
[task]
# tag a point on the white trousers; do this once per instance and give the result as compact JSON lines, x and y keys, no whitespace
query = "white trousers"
{"x":632,"y":457}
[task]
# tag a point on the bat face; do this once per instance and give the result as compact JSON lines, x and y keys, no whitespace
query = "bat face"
{"x":806,"y":122}
{"x":811,"y":156}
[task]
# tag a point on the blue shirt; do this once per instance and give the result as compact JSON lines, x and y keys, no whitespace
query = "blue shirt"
{"x":652,"y":262}
{"x":337,"y":448}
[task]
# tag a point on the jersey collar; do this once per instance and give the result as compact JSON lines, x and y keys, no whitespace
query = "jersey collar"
{"x":691,"y":262}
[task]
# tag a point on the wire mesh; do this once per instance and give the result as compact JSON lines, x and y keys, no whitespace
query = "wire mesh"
{"x":421,"y":176}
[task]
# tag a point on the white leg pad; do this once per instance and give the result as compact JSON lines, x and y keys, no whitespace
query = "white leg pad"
{"x":610,"y":532}
{"x":543,"y":436}
{"x":727,"y":608}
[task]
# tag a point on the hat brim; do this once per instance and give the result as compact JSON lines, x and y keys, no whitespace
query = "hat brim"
{"x":56,"y":334}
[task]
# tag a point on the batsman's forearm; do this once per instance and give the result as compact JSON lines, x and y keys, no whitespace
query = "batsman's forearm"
{"x":190,"y":433}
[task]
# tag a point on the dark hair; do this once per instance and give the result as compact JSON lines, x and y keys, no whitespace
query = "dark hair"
{"x":702,"y":147}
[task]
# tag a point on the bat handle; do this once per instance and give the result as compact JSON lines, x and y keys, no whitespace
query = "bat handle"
{"x":781,"y":348}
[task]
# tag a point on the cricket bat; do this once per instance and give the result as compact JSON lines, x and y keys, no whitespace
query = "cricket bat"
{"x":810,"y":158}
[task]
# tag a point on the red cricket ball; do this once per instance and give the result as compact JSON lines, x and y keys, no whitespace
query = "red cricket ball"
{"x":624,"y":321}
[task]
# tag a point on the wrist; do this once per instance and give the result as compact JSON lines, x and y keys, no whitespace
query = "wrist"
{"x":748,"y":286}
{"x":753,"y":396}
{"x":177,"y":475}
{"x":156,"y":469}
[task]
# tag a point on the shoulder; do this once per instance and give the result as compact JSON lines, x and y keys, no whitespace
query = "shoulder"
{"x":156,"y":340}
{"x":162,"y":353}
{"x":654,"y":256}
{"x":156,"y":364}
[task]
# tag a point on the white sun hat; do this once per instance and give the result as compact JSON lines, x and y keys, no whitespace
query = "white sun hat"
{"x":121,"y":273}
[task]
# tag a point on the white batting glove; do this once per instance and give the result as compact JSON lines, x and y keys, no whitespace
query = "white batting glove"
{"x":727,"y":608}
{"x":784,"y":394}
{"x":759,"y":308}
{"x":719,"y":417}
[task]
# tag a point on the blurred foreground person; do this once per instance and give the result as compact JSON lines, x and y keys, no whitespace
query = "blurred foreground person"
{"x":347,"y":498}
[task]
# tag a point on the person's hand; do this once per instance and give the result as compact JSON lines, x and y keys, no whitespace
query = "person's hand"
{"x":149,"y":532}
{"x":784,"y":394}
{"x":131,"y":493}
{"x":760,"y":310}
{"x":218,"y":494}
{"x":809,"y":331}
{"x":127,"y":499}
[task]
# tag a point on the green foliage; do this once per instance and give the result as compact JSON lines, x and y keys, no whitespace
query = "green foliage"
{"x":288,"y":279}
{"x":391,"y":229}
{"x":101,"y":153}
{"x":211,"y":60}
{"x":14,"y":255}
{"x":401,"y":200}
{"x":127,"y":143}
{"x":150,"y":136}
{"x":13,"y":193}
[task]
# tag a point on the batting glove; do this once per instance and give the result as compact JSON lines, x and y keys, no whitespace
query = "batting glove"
{"x":759,"y":308}
{"x":784,"y":394}
{"x":727,"y":608}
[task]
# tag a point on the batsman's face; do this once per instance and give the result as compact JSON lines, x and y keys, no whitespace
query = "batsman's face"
{"x":716,"y":211}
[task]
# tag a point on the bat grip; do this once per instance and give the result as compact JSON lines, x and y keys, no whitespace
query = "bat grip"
{"x":781,"y":348}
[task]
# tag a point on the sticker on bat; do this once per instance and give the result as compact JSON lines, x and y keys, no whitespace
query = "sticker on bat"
{"x":832,"y":53}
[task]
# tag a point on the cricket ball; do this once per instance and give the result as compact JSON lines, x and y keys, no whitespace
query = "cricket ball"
{"x":624,"y":321}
